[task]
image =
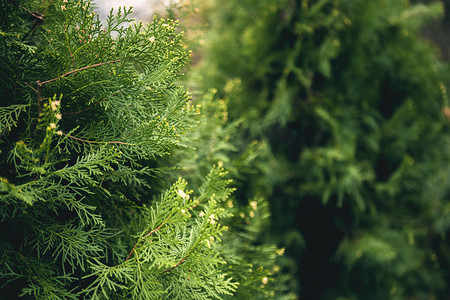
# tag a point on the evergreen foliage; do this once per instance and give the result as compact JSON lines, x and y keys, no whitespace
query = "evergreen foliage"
{"x":90,"y":204}
{"x":350,"y":105}
{"x":254,"y":264}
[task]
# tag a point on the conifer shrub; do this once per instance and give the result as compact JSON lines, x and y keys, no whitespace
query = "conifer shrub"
{"x":350,"y":105}
{"x":92,"y":205}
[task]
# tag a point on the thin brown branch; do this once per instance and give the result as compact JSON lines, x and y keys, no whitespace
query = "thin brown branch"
{"x":170,"y":269}
{"x":34,"y":14}
{"x":153,"y":231}
{"x":39,"y":95}
{"x":95,"y":142}
{"x":193,"y":206}
{"x":83,"y":110}
{"x":39,"y":83}
{"x":42,"y":4}
{"x":31,"y":86}
{"x":132,"y":250}
{"x":78,"y":112}
{"x":148,"y":234}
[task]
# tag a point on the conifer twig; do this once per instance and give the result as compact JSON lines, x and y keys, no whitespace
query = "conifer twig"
{"x":135,"y":245}
{"x":95,"y":142}
{"x":39,"y":83}
{"x":155,"y":230}
{"x":170,"y":269}
{"x":34,"y":14}
{"x":83,"y":110}
{"x":31,"y":86}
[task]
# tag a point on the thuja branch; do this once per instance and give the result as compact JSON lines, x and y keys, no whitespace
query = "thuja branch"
{"x":187,"y":254}
{"x":147,"y":235}
{"x":39,"y":83}
{"x":142,"y":238}
{"x":34,"y":14}
{"x":81,"y":111}
{"x":155,"y":230}
{"x":95,"y":142}
{"x":170,"y":269}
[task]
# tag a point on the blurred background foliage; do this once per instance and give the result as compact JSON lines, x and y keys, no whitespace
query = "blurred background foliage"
{"x":342,"y":106}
